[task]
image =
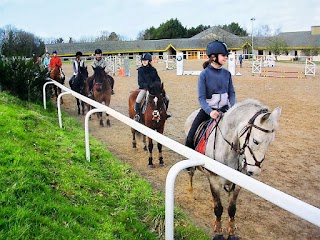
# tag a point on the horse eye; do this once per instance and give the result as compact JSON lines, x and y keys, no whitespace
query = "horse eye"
{"x":255,"y":142}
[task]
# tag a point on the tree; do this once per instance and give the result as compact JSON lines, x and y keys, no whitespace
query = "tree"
{"x":20,"y":43}
{"x":170,"y":30}
{"x":235,"y":29}
{"x":194,"y":31}
{"x":59,"y":40}
{"x":277,"y":46}
{"x":113,"y":37}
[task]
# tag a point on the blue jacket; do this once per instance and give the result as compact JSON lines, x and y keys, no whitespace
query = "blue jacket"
{"x":215,"y":89}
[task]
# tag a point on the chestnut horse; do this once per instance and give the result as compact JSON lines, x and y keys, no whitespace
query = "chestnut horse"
{"x":102,"y":91}
{"x":153,"y":116}
{"x":56,"y":75}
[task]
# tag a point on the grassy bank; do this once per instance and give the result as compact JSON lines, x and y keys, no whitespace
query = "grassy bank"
{"x":49,"y":191}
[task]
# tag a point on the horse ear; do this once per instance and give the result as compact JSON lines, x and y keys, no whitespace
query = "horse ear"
{"x":273,"y":116}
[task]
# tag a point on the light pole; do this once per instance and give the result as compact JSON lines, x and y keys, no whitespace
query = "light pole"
{"x":252,"y":19}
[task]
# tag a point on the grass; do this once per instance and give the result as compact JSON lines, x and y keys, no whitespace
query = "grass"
{"x":49,"y":191}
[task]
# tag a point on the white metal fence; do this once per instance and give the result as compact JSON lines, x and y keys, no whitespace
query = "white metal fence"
{"x":283,"y":200}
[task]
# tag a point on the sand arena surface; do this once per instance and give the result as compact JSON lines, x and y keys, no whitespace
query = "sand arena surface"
{"x":291,"y":165}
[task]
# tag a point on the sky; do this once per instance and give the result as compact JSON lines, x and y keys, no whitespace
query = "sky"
{"x":89,"y":18}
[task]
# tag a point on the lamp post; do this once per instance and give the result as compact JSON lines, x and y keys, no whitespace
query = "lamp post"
{"x":252,"y":19}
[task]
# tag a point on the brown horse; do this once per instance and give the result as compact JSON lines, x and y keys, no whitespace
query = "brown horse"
{"x":153,"y":116}
{"x":102,"y":90}
{"x":56,"y":75}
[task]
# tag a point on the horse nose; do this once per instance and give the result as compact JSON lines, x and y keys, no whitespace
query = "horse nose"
{"x":250,"y":173}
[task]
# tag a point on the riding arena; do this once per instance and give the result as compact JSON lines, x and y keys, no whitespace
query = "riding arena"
{"x":291,"y":163}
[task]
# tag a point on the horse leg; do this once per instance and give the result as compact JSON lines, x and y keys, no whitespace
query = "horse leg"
{"x":161,"y":163}
{"x":218,"y":209}
{"x":108,"y":120}
{"x":150,"y":148}
{"x":191,"y":171}
{"x":78,"y":105}
{"x":83,"y":107}
{"x":145,"y":143}
{"x":231,"y":227}
{"x":100,"y":119}
{"x":134,"y":142}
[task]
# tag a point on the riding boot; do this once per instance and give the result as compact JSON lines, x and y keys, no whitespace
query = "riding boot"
{"x":137,"y":109}
{"x":166,"y":102}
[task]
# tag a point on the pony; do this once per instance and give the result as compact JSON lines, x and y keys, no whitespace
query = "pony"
{"x":102,"y":90}
{"x":78,"y":85}
{"x":153,"y":116}
{"x":240,"y":140}
{"x":56,"y":75}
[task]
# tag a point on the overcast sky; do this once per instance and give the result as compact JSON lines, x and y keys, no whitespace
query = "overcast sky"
{"x":77,"y":18}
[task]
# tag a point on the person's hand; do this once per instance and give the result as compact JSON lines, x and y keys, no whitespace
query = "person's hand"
{"x":214,"y":114}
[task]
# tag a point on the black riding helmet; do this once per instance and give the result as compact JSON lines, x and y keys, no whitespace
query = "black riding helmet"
{"x":98,"y":51}
{"x":79,"y":54}
{"x":146,"y":56}
{"x":216,"y":47}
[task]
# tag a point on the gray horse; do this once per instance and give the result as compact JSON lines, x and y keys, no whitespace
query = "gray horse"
{"x":240,"y":140}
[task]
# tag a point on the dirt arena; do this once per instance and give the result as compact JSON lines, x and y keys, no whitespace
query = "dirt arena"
{"x":291,"y":165}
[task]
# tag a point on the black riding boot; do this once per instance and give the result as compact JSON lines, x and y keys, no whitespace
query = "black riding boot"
{"x":137,"y":108}
{"x":166,"y":102}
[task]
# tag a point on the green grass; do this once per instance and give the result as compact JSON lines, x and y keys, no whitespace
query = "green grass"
{"x":49,"y":191}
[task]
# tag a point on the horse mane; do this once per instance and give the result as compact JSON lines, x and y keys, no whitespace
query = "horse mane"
{"x":248,"y":107}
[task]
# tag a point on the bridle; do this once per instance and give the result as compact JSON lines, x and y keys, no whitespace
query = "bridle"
{"x":156,"y":113}
{"x":247,"y":129}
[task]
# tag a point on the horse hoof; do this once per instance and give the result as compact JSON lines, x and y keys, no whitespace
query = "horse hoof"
{"x":145,"y":148}
{"x":218,"y":237}
{"x":151,"y":165}
{"x":233,"y":237}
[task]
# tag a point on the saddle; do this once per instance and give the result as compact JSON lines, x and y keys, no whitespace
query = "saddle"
{"x":203,"y":132}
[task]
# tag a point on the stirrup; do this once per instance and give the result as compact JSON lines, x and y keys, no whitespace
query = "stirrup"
{"x":168,"y":115}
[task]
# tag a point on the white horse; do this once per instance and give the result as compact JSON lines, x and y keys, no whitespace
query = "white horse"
{"x":240,"y":141}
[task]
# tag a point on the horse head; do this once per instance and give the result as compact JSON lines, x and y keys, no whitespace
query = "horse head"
{"x":99,"y":78}
{"x":155,"y":98}
{"x":55,"y":73}
{"x":255,"y":138}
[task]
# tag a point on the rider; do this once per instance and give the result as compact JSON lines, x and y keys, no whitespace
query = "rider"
{"x":215,"y":88}
{"x":98,"y":61}
{"x":46,"y":60}
{"x":78,"y":62}
{"x":147,"y":76}
{"x":56,"y":61}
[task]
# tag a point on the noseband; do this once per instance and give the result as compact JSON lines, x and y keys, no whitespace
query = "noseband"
{"x":247,"y":129}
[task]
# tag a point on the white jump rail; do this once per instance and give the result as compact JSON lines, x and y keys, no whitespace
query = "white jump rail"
{"x":283,"y":200}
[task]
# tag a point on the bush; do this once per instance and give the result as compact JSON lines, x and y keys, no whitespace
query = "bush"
{"x":23,"y":78}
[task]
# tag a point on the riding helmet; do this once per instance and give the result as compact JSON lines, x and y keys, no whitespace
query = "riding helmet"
{"x":216,"y":47}
{"x":79,"y":54}
{"x":54,"y":52}
{"x":98,"y":51}
{"x":146,"y":56}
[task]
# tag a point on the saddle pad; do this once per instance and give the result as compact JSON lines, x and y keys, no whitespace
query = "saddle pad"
{"x":206,"y":129}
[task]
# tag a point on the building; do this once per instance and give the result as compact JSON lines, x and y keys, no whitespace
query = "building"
{"x":303,"y":43}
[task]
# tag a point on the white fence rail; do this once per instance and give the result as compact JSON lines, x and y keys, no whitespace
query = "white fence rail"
{"x":283,"y":200}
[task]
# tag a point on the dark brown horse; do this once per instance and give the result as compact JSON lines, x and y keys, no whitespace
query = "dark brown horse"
{"x":153,"y":116}
{"x":102,"y":90}
{"x":78,"y":85}
{"x":55,"y":74}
